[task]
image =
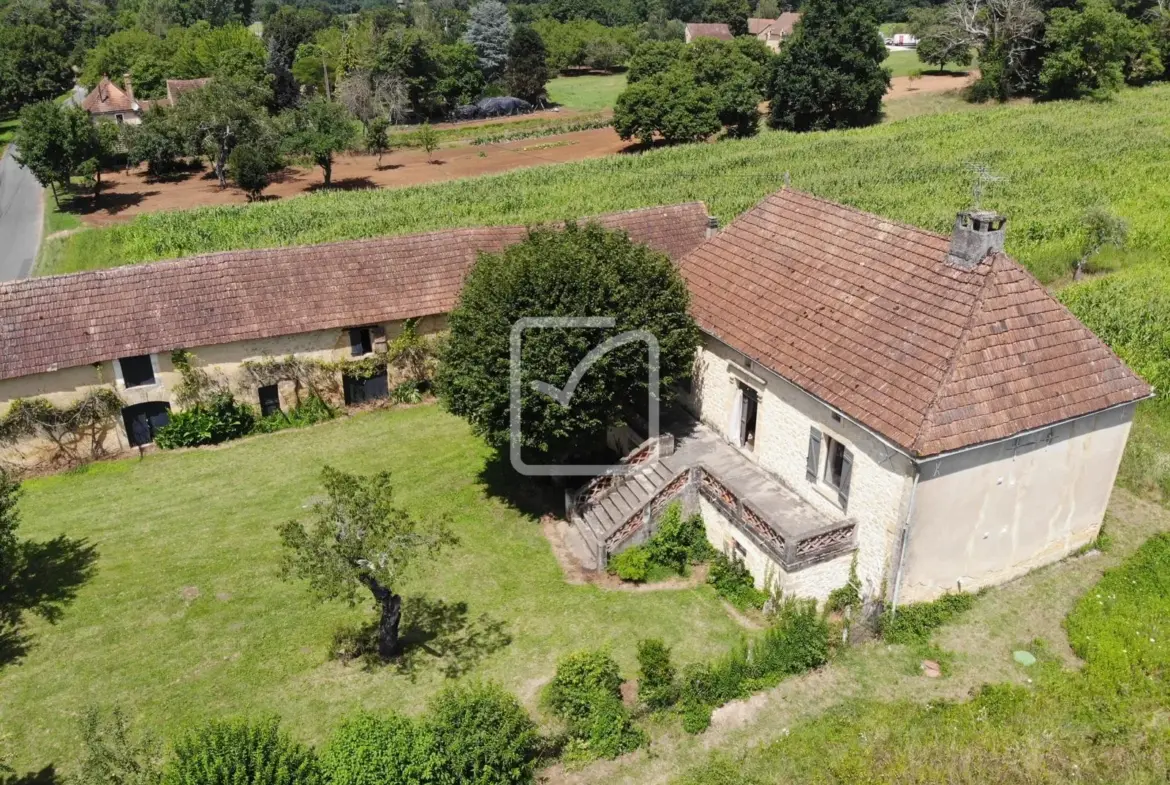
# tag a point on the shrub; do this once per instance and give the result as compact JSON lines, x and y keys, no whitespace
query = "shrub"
{"x":731,"y":579}
{"x":632,"y":564}
{"x":607,"y":732}
{"x":798,"y":641}
{"x":677,"y":542}
{"x":657,"y":687}
{"x":219,"y":420}
{"x":407,"y":392}
{"x":482,"y":736}
{"x":847,"y":596}
{"x":370,"y":750}
{"x":310,"y":411}
{"x":696,"y":717}
{"x":915,"y":622}
{"x":114,"y":753}
{"x":582,"y":677}
{"x":241,"y":752}
{"x":248,"y":167}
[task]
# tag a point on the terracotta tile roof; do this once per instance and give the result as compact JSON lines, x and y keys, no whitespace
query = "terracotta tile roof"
{"x":782,"y":25}
{"x":701,"y":30}
{"x":107,"y":97}
{"x":176,"y":87}
{"x":867,"y":315}
{"x":71,"y":320}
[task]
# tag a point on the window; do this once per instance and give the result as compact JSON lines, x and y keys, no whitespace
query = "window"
{"x":119,"y":119}
{"x":360,"y":341}
{"x":831,"y":467}
{"x":738,"y":552}
{"x":269,"y":399}
{"x":143,"y":421}
{"x":137,"y":371}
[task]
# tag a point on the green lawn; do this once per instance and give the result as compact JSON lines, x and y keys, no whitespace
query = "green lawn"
{"x":586,"y":93}
{"x":905,"y":62}
{"x":187,"y":619}
{"x":8,"y":128}
{"x":1058,"y":159}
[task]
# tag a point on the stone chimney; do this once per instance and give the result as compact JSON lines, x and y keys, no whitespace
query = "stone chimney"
{"x":712,"y":226}
{"x":128,"y":86}
{"x":977,"y":235}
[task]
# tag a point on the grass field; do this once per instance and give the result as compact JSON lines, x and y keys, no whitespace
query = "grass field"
{"x":905,"y":63}
{"x":8,"y":128}
{"x":187,"y":619}
{"x":586,"y":93}
{"x":1058,"y":159}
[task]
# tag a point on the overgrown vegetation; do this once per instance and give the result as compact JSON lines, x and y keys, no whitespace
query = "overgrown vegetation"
{"x":734,"y":582}
{"x":1098,"y":723}
{"x":76,"y":431}
{"x":797,"y":640}
{"x":586,"y":694}
{"x":914,"y":622}
{"x":675,"y":544}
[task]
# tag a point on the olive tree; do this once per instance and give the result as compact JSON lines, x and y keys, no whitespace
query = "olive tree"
{"x":359,"y":539}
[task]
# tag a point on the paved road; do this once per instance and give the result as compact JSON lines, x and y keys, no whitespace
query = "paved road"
{"x":21,"y":214}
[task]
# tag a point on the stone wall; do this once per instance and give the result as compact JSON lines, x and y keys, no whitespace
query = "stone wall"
{"x":882,"y":476}
{"x":222,"y":361}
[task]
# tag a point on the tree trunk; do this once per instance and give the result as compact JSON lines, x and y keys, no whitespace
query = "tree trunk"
{"x":56,"y":199}
{"x":327,"y":166}
{"x":391,"y":607}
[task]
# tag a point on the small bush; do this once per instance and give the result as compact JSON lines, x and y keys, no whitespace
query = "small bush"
{"x":310,"y":411}
{"x":219,"y":420}
{"x":657,"y":687}
{"x":581,"y":678}
{"x":241,"y":752}
{"x":731,"y":579}
{"x":370,"y":750}
{"x":915,"y":622}
{"x":847,"y":596}
{"x":798,"y":641}
{"x":719,"y":770}
{"x":407,"y":392}
{"x":677,"y":542}
{"x":114,"y":754}
{"x":607,"y":732}
{"x":696,"y":717}
{"x":482,"y":736}
{"x":632,"y":564}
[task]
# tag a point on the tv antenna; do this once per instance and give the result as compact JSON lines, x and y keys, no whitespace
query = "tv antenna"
{"x":982,"y":176}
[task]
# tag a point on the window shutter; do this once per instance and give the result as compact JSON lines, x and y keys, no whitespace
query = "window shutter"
{"x":846,"y":475}
{"x":355,"y":342}
{"x":814,"y":453}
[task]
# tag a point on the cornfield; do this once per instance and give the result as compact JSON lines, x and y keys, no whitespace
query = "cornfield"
{"x":1057,"y":160}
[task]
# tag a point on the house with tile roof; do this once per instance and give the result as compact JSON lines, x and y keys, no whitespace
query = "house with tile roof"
{"x":107,"y":101}
{"x":868,"y":395}
{"x":718,"y":31}
{"x":773,"y":31}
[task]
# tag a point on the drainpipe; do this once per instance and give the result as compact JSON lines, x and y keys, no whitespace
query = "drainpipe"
{"x":905,"y":541}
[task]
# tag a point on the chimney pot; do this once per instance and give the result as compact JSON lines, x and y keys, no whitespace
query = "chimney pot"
{"x":712,"y":225}
{"x":977,"y":235}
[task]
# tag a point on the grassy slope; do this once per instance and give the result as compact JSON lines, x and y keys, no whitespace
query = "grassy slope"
{"x":586,"y":93}
{"x":1059,"y":159}
{"x":905,"y":62}
{"x":1102,"y":723}
{"x":176,"y":523}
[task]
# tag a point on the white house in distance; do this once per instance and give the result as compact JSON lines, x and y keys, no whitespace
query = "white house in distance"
{"x":870,"y":391}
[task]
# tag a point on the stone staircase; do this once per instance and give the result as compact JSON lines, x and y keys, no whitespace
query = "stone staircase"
{"x":599,"y":510}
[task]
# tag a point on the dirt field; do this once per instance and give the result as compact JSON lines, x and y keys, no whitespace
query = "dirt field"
{"x":126,"y":195}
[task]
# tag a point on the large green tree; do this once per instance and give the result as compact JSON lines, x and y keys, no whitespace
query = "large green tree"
{"x":215,"y":118}
{"x":489,"y":30}
{"x":360,"y":539}
{"x":733,"y":13}
{"x":1091,"y":49}
{"x":829,"y":74}
{"x":572,"y":272}
{"x":57,"y":144}
{"x":527,"y":70}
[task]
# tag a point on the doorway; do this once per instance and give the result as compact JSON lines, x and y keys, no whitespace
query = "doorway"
{"x":143,"y":421}
{"x":747,"y":417}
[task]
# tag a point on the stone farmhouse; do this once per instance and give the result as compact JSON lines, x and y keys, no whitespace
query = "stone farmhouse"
{"x":116,"y":104}
{"x":773,"y":31}
{"x":718,"y":31}
{"x":867,"y":394}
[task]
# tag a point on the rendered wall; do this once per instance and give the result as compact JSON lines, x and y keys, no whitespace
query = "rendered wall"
{"x":987,"y":515}
{"x":880,"y":487}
